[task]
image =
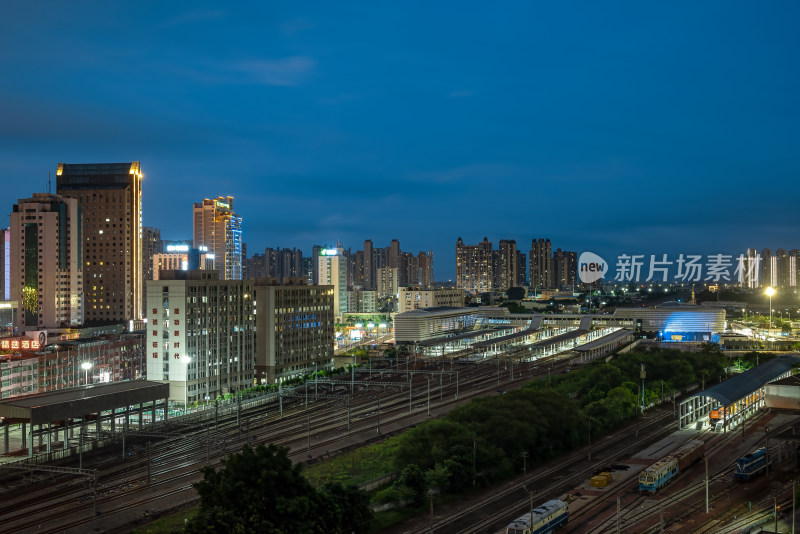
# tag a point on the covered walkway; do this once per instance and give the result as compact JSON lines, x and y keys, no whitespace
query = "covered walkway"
{"x":46,"y":415}
{"x":735,"y":399}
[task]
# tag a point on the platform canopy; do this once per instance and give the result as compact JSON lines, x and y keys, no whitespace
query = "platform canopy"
{"x":743,"y":384}
{"x":42,"y":408}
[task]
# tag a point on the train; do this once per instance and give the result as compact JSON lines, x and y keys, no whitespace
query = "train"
{"x":543,"y":519}
{"x":752,"y":464}
{"x":664,"y":470}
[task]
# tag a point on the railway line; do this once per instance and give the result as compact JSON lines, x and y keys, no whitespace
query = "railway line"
{"x":60,"y":503}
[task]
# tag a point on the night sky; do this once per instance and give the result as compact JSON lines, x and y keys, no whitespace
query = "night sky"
{"x":614,"y":127}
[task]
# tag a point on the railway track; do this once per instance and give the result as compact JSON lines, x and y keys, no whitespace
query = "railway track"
{"x":62,"y":502}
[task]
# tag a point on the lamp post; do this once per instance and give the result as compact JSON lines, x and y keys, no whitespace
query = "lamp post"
{"x":86,"y":366}
{"x":187,"y":360}
{"x":770,"y":292}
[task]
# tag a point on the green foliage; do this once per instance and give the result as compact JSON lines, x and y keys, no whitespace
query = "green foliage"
{"x":259,"y":490}
{"x":515,"y":293}
{"x":544,"y":418}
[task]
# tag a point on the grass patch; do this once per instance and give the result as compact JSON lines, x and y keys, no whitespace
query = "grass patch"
{"x":170,"y":524}
{"x":357,"y":466}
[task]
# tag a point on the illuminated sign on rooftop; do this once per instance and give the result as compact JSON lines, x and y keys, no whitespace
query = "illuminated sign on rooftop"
{"x":329,"y":252}
{"x":177,"y":248}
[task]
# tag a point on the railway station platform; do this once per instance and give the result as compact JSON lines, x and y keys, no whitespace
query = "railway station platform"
{"x":735,"y":399}
{"x":53,"y":417}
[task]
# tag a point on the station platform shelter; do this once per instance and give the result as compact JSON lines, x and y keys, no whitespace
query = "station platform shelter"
{"x":605,"y":345}
{"x":46,"y":417}
{"x":735,"y":399}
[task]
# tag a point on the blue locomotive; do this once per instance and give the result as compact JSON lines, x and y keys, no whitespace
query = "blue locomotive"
{"x":544,"y":519}
{"x":752,"y":464}
{"x":663,"y":471}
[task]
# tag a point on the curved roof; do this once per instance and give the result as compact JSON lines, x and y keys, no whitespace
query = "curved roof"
{"x":741,"y":385}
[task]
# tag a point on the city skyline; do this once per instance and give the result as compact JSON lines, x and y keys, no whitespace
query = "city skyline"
{"x":637,"y":130}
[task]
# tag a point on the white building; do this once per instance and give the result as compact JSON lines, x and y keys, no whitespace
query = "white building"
{"x":409,"y":298}
{"x":46,"y":262}
{"x":200,"y":334}
{"x":332,"y":271}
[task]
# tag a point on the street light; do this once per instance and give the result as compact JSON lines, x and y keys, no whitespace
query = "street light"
{"x":187,"y":360}
{"x":770,"y":292}
{"x":86,"y":366}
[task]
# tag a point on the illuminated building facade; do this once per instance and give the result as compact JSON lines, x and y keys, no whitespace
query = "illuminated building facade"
{"x":332,"y":271}
{"x":200,"y":334}
{"x":541,"y":264}
{"x":294,"y":328}
{"x":219,"y":228}
{"x":474,"y":266}
{"x":110,"y":198}
{"x":414,"y":299}
{"x":46,"y":273}
{"x":182,"y":258}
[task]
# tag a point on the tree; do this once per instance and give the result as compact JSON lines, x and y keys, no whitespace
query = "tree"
{"x":515,"y":293}
{"x":259,"y":490}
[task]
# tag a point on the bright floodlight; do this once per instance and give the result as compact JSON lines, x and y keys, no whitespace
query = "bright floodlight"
{"x":86,"y":366}
{"x":770,"y":291}
{"x":186,"y":360}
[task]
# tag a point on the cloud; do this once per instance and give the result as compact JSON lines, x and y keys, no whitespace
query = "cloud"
{"x":289,"y":71}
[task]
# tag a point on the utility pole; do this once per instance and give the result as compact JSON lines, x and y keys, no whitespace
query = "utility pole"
{"x":308,"y":434}
{"x":706,"y":459}
{"x":643,"y":375}
{"x":474,"y":455}
{"x":379,"y":413}
{"x":429,"y":396}
{"x":524,"y":469}
{"x":148,"y":463}
{"x":410,"y":389}
{"x":348,"y":412}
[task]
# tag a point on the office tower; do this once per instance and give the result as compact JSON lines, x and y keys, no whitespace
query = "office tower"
{"x":200,"y":334}
{"x":110,"y":198}
{"x":288,"y":344}
{"x":332,"y":271}
{"x":151,"y":245}
{"x":474,"y":266}
{"x":219,"y":228}
{"x":541,"y":264}
{"x":521,"y":269}
{"x":750,"y":269}
{"x":505,"y":269}
{"x":369,"y":266}
{"x":47,"y":273}
{"x":5,"y":264}
{"x":565,"y":268}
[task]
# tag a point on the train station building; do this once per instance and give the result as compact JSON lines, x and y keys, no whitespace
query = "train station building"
{"x":726,"y":404}
{"x":65,"y":418}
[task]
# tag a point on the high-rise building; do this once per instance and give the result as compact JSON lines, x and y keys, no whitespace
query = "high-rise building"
{"x":369,"y":266}
{"x":521,"y":269}
{"x":219,"y":228}
{"x":750,"y":269}
{"x":110,"y":198}
{"x":410,"y":298}
{"x":474,"y":266}
{"x":565,"y":268}
{"x":393,"y":254}
{"x":387,"y":282}
{"x":505,"y":268}
{"x":425,"y":262}
{"x":295,"y":328}
{"x":332,"y":271}
{"x":5,"y":264}
{"x":768,"y":269}
{"x":541,"y":264}
{"x":182,"y":258}
{"x":200,"y":334}
{"x":256,"y":266}
{"x":151,"y":245}
{"x":47,"y":273}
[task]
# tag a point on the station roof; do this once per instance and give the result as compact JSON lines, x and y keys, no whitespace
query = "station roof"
{"x":743,"y":384}
{"x":610,"y":338}
{"x":449,"y":339}
{"x":41,"y":408}
{"x":561,"y":338}
{"x":503,"y":339}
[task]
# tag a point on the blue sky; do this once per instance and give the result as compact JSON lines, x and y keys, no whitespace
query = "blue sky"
{"x":614,"y":127}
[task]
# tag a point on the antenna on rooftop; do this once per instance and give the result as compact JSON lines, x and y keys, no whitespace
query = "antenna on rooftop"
{"x":48,"y":182}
